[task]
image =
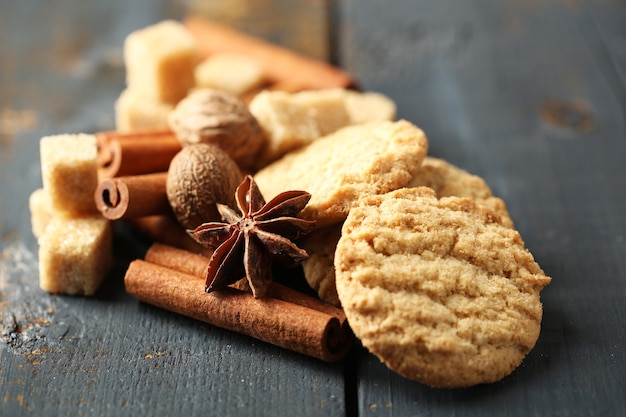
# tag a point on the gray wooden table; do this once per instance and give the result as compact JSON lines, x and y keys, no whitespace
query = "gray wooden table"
{"x":529,"y":95}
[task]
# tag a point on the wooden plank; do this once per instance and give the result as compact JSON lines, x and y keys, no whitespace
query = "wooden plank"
{"x":60,"y":72}
{"x":528,"y":95}
{"x":519,"y":93}
{"x":298,"y":25}
{"x":607,"y":21}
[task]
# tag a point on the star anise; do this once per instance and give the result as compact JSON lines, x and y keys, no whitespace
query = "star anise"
{"x":247,"y":243}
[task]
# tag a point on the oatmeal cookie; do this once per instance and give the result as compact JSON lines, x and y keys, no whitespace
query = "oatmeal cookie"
{"x":443,"y":177}
{"x":319,"y":269}
{"x":449,"y":180}
{"x":365,"y":159}
{"x":438,"y":289}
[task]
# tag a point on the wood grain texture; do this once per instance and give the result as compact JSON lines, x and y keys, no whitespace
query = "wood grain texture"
{"x":529,"y":95}
{"x":301,"y":25}
{"x":60,"y":72}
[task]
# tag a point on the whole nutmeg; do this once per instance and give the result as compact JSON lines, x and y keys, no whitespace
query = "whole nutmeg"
{"x":199,"y":176}
{"x":213,"y":116}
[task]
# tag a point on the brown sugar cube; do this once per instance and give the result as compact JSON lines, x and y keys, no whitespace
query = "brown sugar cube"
{"x":230,"y":72}
{"x":160,"y":61}
{"x":75,"y":254}
{"x":293,"y":120}
{"x":366,"y":107}
{"x":69,"y":172}
{"x":40,"y":212}
{"x":136,"y":112}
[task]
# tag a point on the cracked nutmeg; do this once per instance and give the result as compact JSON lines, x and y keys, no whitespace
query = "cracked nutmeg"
{"x":247,"y":243}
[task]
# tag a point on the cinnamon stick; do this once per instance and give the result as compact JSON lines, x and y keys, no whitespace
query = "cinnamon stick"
{"x":271,"y":320}
{"x":195,"y":264}
{"x":132,"y":196}
{"x":134,"y":153}
{"x":177,"y":259}
{"x":166,"y":229}
{"x":280,"y":65}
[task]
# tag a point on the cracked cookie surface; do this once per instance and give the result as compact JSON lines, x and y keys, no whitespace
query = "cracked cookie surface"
{"x":443,"y":177}
{"x":337,"y":169}
{"x":438,"y":289}
{"x":449,"y":180}
{"x":319,"y":269}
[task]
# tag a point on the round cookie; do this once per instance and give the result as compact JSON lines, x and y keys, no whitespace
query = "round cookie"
{"x":319,"y":269}
{"x":449,"y":180}
{"x":337,"y":169}
{"x":443,"y":177}
{"x":438,"y":289}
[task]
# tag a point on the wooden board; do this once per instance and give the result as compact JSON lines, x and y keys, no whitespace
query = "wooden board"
{"x":529,"y":95}
{"x":60,"y":72}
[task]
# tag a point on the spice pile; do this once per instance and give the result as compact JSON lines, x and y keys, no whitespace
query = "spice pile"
{"x":233,"y":154}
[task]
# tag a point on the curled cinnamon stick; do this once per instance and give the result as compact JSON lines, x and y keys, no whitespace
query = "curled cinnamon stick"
{"x":280,"y":65}
{"x":134,"y":153}
{"x":132,"y":196}
{"x":275,"y":321}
